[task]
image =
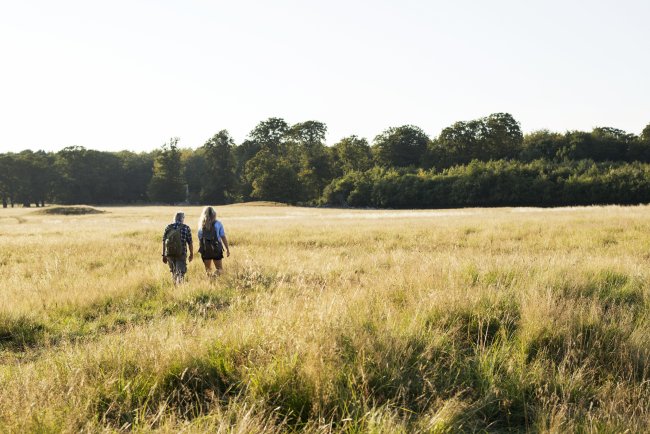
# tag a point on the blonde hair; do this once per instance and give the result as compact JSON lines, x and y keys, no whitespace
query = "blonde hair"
{"x":207,"y":219}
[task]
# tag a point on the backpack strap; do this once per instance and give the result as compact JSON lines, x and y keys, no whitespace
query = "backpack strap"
{"x":170,"y":228}
{"x":204,"y":232}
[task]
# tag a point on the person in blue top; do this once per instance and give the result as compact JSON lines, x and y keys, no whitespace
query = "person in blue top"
{"x":212,"y":241}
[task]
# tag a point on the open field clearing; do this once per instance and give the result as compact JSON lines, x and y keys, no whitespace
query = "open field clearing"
{"x":328,"y":320}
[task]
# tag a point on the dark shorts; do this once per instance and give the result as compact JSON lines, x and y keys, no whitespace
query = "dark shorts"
{"x":218,"y":256}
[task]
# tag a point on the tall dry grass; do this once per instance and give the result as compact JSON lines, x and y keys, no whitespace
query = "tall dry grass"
{"x":329,"y":321}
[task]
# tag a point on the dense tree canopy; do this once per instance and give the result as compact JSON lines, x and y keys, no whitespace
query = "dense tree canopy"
{"x":645,"y":134}
{"x":494,"y":137}
{"x":217,"y":176}
{"x":272,"y":135}
{"x":400,"y":147}
{"x":272,"y":177}
{"x":352,"y":154}
{"x":480,"y":162}
{"x":167,"y":184}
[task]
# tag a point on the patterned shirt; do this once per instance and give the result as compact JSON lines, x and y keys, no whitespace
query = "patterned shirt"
{"x":186,"y":235}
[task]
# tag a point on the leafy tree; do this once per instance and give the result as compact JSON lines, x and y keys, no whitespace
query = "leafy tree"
{"x":70,"y":165}
{"x":87,"y":176}
{"x":645,"y":134}
{"x":193,"y":162}
{"x":104,"y":176}
{"x":242,"y":154}
{"x":308,"y":153}
{"x":639,"y":149}
{"x":353,"y":154}
{"x":167,"y":184}
{"x":272,"y":178}
{"x":502,"y":135}
{"x":542,"y":144}
{"x":457,"y":144}
{"x":601,"y":144}
{"x":36,"y":177}
{"x":352,"y":189}
{"x":315,"y":173}
{"x":471,"y":165}
{"x":25,"y":170}
{"x":310,"y":135}
{"x":218,"y":178}
{"x":8,"y":179}
{"x":612,"y":144}
{"x":496,"y":183}
{"x":497,"y":136}
{"x":579,"y":146}
{"x":271,"y":134}
{"x":137,"y":171}
{"x":400,"y":147}
{"x":26,"y":178}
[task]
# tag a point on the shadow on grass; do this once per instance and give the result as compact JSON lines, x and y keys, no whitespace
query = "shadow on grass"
{"x":110,"y":315}
{"x":189,"y":389}
{"x":20,"y":333}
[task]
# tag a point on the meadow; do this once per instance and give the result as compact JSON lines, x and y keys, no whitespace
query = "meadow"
{"x":328,"y":320}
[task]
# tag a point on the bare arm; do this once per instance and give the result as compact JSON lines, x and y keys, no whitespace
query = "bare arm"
{"x":224,"y":240}
{"x":164,"y":258}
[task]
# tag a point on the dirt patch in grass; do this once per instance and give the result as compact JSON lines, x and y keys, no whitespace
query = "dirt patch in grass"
{"x":70,"y":210}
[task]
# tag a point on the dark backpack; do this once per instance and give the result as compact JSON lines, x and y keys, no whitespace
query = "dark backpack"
{"x":210,"y":245}
{"x":173,"y":242}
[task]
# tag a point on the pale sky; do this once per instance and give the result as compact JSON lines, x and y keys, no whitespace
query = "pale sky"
{"x":118,"y":74}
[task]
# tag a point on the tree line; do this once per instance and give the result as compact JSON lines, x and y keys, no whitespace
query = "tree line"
{"x":482,"y":162}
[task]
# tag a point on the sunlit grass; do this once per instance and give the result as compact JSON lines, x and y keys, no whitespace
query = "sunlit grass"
{"x":328,"y":320}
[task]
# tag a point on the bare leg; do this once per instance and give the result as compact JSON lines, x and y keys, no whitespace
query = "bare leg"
{"x":218,"y":265}
{"x":208,"y":266}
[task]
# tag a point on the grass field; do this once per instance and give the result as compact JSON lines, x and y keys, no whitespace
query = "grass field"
{"x":329,"y":320}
